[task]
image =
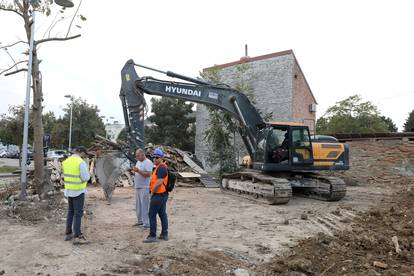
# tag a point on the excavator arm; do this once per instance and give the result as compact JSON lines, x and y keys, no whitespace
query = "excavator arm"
{"x":225,"y":98}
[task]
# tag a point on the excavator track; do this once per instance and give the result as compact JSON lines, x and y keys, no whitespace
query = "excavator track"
{"x":273,"y":190}
{"x":258,"y":187}
{"x":328,"y":188}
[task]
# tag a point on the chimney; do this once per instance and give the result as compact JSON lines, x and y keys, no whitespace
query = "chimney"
{"x":246,"y":53}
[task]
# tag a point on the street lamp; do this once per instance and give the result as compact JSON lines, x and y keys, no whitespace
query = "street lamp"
{"x":23,"y":164}
{"x":70,"y":121}
{"x":64,"y":3}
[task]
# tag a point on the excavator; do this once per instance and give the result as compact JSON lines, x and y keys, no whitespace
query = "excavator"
{"x":282,"y":156}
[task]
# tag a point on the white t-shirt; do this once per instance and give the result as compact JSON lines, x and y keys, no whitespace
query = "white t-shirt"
{"x":141,"y":181}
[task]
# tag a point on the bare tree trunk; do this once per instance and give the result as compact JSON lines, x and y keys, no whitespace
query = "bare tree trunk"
{"x":26,"y":10}
{"x":39,"y":173}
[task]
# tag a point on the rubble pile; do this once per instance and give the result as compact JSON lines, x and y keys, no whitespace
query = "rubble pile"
{"x":8,"y":186}
{"x":173,"y":156}
{"x":184,"y":163}
{"x":35,"y":209}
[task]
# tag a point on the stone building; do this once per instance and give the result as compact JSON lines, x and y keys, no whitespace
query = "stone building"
{"x":113,"y":130}
{"x":278,"y":85}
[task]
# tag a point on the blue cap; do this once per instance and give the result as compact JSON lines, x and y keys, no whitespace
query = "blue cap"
{"x":158,"y":152}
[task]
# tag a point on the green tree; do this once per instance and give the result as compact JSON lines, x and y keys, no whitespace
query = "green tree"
{"x":222,"y":129}
{"x":86,"y":122}
{"x":409,"y":123}
{"x":220,"y":137}
{"x":220,"y":132}
{"x":352,"y":115}
{"x":11,"y":125}
{"x":390,"y":124}
{"x":173,"y":123}
{"x":122,"y":135}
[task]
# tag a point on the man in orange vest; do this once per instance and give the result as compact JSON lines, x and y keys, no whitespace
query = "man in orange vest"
{"x":159,"y":197}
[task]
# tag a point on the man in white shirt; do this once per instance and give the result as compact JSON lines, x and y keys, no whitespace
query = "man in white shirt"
{"x":142,"y":177}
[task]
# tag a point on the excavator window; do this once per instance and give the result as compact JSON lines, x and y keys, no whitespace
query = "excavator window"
{"x":261,"y":145}
{"x":278,"y":145}
{"x":301,"y":146}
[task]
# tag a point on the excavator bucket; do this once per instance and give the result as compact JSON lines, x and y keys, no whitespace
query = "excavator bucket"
{"x":108,"y":171}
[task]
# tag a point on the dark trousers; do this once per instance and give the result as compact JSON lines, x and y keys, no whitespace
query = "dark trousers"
{"x":75,"y":213}
{"x":158,"y":205}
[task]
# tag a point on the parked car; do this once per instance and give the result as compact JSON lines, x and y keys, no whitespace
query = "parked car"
{"x":13,"y":154}
{"x":56,"y":154}
{"x":3,"y":153}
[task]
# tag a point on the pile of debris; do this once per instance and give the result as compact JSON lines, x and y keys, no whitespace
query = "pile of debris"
{"x":188,"y":168}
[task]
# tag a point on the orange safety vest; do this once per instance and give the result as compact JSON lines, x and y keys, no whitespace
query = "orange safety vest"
{"x":154,"y":179}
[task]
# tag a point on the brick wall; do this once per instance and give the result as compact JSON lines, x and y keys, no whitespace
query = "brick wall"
{"x":385,"y":161}
{"x":302,"y":98}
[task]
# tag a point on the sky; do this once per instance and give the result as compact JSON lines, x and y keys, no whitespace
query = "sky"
{"x":343,"y":47}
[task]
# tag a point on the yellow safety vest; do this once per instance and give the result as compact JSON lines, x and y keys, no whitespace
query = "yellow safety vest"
{"x":71,"y":174}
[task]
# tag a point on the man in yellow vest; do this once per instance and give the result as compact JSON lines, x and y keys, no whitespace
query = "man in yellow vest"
{"x":75,"y":176}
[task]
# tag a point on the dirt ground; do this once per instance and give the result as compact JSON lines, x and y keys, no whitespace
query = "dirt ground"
{"x":380,"y":242}
{"x":210,"y":234}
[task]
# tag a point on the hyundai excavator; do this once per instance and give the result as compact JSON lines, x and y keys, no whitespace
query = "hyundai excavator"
{"x":282,"y":155}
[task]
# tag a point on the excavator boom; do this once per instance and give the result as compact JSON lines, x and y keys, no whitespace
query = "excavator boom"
{"x":230,"y":100}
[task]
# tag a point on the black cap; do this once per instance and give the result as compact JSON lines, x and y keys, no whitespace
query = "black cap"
{"x":80,"y":149}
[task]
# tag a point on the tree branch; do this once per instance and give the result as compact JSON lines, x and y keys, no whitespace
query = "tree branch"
{"x":9,"y":55}
{"x":11,"y":45}
{"x":70,"y":25}
{"x":50,"y":26}
{"x":8,"y":69}
{"x":56,"y":39}
{"x":55,"y":23}
{"x":11,"y":10}
{"x":15,"y":72}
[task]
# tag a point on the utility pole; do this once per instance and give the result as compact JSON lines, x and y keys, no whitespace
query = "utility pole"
{"x":23,"y":164}
{"x":70,"y":121}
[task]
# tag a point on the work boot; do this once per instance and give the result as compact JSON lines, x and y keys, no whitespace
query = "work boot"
{"x":163,"y":237}
{"x":150,"y":239}
{"x":68,"y":237}
{"x":80,"y":240}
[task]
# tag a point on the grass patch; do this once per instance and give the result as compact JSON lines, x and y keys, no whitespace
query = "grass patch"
{"x":8,"y":169}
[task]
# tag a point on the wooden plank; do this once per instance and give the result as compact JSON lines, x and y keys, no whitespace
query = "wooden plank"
{"x":189,"y":175}
{"x":208,"y":181}
{"x":191,"y":163}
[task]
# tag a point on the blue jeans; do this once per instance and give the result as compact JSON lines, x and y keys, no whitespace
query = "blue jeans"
{"x":158,"y":205}
{"x":75,"y":213}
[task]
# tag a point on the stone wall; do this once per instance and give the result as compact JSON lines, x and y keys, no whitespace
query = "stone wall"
{"x":384,"y":161}
{"x":271,"y":81}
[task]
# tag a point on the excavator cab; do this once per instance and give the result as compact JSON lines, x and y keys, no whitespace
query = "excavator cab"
{"x":288,"y":147}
